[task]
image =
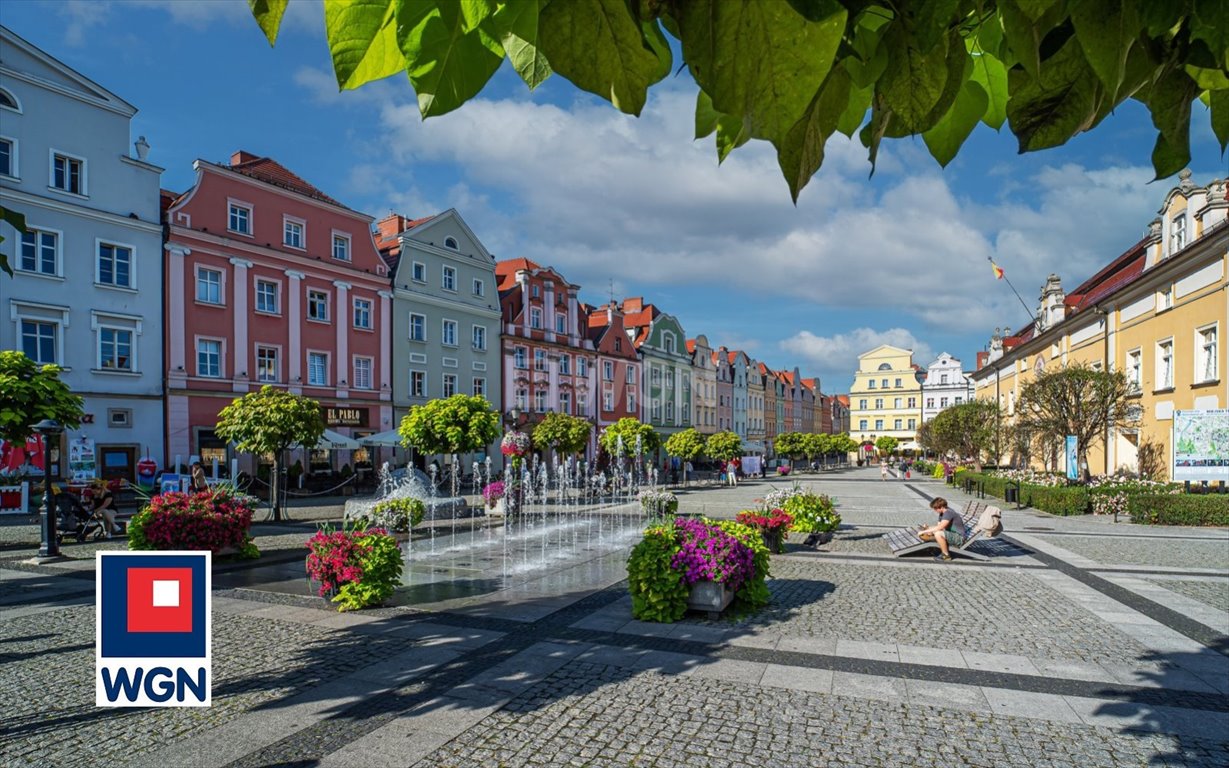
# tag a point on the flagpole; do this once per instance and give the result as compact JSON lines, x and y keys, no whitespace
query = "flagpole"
{"x":1003,"y":276}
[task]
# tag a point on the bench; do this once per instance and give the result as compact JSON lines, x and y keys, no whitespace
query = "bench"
{"x":905,"y":541}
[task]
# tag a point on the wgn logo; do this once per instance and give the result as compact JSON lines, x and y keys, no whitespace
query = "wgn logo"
{"x":153,"y":629}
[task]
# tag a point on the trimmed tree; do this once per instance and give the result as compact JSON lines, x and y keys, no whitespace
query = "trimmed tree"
{"x":29,"y":393}
{"x":450,"y":425}
{"x":724,"y":446}
{"x":968,"y":429}
{"x":886,"y":444}
{"x":686,"y":445}
{"x":816,"y":444}
{"x":844,"y":444}
{"x":629,"y":428}
{"x":791,"y":445}
{"x":562,"y":433}
{"x":1076,"y":400}
{"x":270,"y":421}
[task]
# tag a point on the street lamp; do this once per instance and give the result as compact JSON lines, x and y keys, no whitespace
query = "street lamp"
{"x":49,"y":548}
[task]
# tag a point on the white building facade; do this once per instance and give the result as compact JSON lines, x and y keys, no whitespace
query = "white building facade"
{"x":86,"y":293}
{"x":946,"y":385}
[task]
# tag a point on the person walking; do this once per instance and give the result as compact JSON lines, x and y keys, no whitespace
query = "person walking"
{"x":199,"y":482}
{"x":732,"y":470}
{"x":883,"y":469}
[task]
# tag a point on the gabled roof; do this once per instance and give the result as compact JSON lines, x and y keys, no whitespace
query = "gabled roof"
{"x":69,"y":78}
{"x":388,"y":237}
{"x":505,"y":271}
{"x":691,"y":346}
{"x":272,"y":172}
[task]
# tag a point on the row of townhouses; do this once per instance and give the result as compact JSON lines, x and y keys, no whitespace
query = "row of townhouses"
{"x":892,"y":396}
{"x":163,"y":306}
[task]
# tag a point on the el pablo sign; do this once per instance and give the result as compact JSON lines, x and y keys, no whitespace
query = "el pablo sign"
{"x":153,"y":629}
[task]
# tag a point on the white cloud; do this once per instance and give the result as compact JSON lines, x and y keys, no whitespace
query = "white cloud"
{"x":80,"y":16}
{"x":836,"y":356}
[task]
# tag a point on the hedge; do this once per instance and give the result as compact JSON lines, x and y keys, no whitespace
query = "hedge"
{"x":1058,"y":500}
{"x":1180,"y":509}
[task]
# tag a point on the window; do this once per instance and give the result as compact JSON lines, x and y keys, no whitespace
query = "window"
{"x":913,"y":402}
{"x":912,"y":423}
{"x":539,"y":360}
{"x":862,"y":424}
{"x":668,"y":342}
{"x":561,"y":323}
{"x":862,"y":405}
{"x":209,"y":358}
{"x":114,"y":349}
{"x":669,"y":410}
{"x":362,"y":373}
{"x":8,"y":101}
{"x":582,"y":366}
{"x":884,"y":385}
{"x":267,"y":368}
{"x":209,"y":286}
{"x":362,"y":313}
{"x":878,"y":424}
{"x":896,"y":403}
{"x":535,"y":318}
{"x":341,"y":247}
{"x":1135,"y":369}
{"x":68,"y":173}
{"x":958,"y":400}
{"x":631,"y":402}
{"x":1177,"y":236}
{"x":266,"y":297}
{"x":898,"y":384}
{"x":450,"y":279}
{"x":534,"y":291}
{"x":8,"y":157}
{"x":479,"y":287}
{"x":631,"y":374}
{"x":38,"y":341}
{"x":539,"y":400}
{"x":520,"y":358}
{"x":878,"y":403}
{"x":930,"y":402}
{"x":479,"y":386}
{"x":115,"y":265}
{"x":318,"y":306}
{"x":942,"y":402}
{"x":898,"y":424}
{"x":40,"y":252}
{"x":1205,"y":353}
{"x":239,"y":219}
{"x":522,"y":398}
{"x":668,"y":375}
{"x":418,"y":272}
{"x":1165,"y":298}
{"x":1165,"y":364}
{"x":565,"y":365}
{"x":618,"y":344}
{"x":450,"y":384}
{"x":608,"y":371}
{"x":292,"y":233}
{"x":871,"y":384}
{"x":565,"y":402}
{"x":450,"y":242}
{"x":449,"y":337}
{"x":418,"y":384}
{"x":418,"y":327}
{"x":318,"y":369}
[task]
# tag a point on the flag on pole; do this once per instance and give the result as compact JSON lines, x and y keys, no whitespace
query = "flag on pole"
{"x":998,"y":271}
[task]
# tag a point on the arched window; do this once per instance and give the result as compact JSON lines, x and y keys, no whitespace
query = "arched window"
{"x":9,"y":101}
{"x":885,"y":366}
{"x":450,"y":242}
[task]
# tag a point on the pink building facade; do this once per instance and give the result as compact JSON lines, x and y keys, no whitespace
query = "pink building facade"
{"x":270,"y":281}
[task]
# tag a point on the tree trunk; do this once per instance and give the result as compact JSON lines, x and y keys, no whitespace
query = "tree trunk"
{"x":275,"y":485}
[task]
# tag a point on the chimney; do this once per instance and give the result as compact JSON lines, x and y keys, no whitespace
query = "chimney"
{"x":142,"y":148}
{"x":390,"y":226}
{"x":242,"y":157}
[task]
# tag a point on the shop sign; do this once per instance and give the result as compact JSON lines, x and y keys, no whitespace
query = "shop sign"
{"x":345,"y":417}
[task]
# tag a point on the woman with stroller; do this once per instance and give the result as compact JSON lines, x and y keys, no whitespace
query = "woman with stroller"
{"x":104,"y":504}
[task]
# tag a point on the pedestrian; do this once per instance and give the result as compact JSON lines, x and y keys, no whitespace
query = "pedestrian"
{"x":732,"y":470}
{"x":687,"y":470}
{"x":948,"y":532}
{"x":104,"y":504}
{"x":883,"y":469}
{"x":199,"y":483}
{"x":904,"y":469}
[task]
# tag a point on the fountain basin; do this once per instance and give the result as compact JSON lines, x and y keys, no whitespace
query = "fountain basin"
{"x":438,"y":508}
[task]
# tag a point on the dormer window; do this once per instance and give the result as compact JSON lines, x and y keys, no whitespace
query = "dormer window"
{"x":1177,"y":234}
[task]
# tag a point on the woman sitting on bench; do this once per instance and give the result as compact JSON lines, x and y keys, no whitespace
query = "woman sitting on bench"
{"x":948,"y":532}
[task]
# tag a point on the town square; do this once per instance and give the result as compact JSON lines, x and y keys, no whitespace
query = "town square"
{"x":613,"y":383}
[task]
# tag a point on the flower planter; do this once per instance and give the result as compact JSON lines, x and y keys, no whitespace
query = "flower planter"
{"x":711,"y":596}
{"x":774,"y":539}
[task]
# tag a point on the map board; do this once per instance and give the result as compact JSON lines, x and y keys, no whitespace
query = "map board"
{"x":1201,"y":445}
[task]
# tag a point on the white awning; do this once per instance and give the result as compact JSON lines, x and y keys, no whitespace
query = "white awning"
{"x":390,"y":438}
{"x":335,"y":441}
{"x":752,"y":446}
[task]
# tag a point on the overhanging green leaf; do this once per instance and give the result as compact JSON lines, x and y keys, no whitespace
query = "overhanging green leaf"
{"x":1218,"y":105}
{"x":854,"y":114}
{"x":706,"y":116}
{"x":1106,"y":30}
{"x":732,"y":133}
{"x":268,"y":15}
{"x":991,"y":75}
{"x":447,"y":66}
{"x":757,"y":59}
{"x":1065,"y":99}
{"x":599,"y":46}
{"x":1169,"y":102}
{"x":516,"y":27}
{"x":915,"y":78}
{"x":946,"y":137}
{"x":474,"y":12}
{"x":801,"y":154}
{"x":362,"y":37}
{"x":1209,"y":21}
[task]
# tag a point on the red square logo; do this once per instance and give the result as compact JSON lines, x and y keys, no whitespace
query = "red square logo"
{"x":159,"y":599}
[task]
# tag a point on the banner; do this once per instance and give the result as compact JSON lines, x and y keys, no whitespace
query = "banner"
{"x":82,"y":467}
{"x":1073,"y":458}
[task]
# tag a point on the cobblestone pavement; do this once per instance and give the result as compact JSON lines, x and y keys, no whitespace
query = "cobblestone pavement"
{"x":798,"y":684}
{"x":593,"y":715}
{"x":1117,"y":550}
{"x":896,"y":605}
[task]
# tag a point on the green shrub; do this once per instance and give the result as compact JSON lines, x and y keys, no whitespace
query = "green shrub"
{"x":812,"y":513}
{"x":754,"y":592}
{"x":398,"y":514}
{"x":658,"y":591}
{"x":1182,"y":509}
{"x":1057,"y":500}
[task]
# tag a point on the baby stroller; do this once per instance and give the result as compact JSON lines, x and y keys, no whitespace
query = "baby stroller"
{"x":76,"y":520}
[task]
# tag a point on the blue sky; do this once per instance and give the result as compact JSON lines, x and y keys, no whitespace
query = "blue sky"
{"x":562,"y":178}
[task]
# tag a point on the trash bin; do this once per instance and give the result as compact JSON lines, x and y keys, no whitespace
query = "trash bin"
{"x":1011,"y":495}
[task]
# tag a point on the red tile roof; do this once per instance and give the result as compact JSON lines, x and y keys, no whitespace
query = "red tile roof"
{"x":272,"y":172}
{"x":506,"y":271}
{"x":691,"y":346}
{"x":388,"y":237}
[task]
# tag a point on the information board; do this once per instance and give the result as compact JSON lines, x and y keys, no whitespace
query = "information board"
{"x":1201,"y":445}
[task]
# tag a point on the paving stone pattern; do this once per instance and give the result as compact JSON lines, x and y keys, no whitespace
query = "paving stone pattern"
{"x":1119,"y":550}
{"x":1214,"y":592}
{"x":50,"y":718}
{"x":892,"y":605}
{"x":595,"y":716}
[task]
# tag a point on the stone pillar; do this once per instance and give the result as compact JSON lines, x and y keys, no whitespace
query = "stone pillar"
{"x":240,"y":353}
{"x":294,"y":321}
{"x":380,"y":369}
{"x":341,"y":323}
{"x":177,"y":354}
{"x":549,"y":310}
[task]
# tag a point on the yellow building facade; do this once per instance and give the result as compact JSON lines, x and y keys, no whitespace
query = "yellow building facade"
{"x":886,"y":396}
{"x":1158,"y":312}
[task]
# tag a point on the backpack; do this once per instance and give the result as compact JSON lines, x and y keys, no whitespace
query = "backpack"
{"x":990,"y":523}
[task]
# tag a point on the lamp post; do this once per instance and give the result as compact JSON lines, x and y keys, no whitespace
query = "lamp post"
{"x":49,"y":548}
